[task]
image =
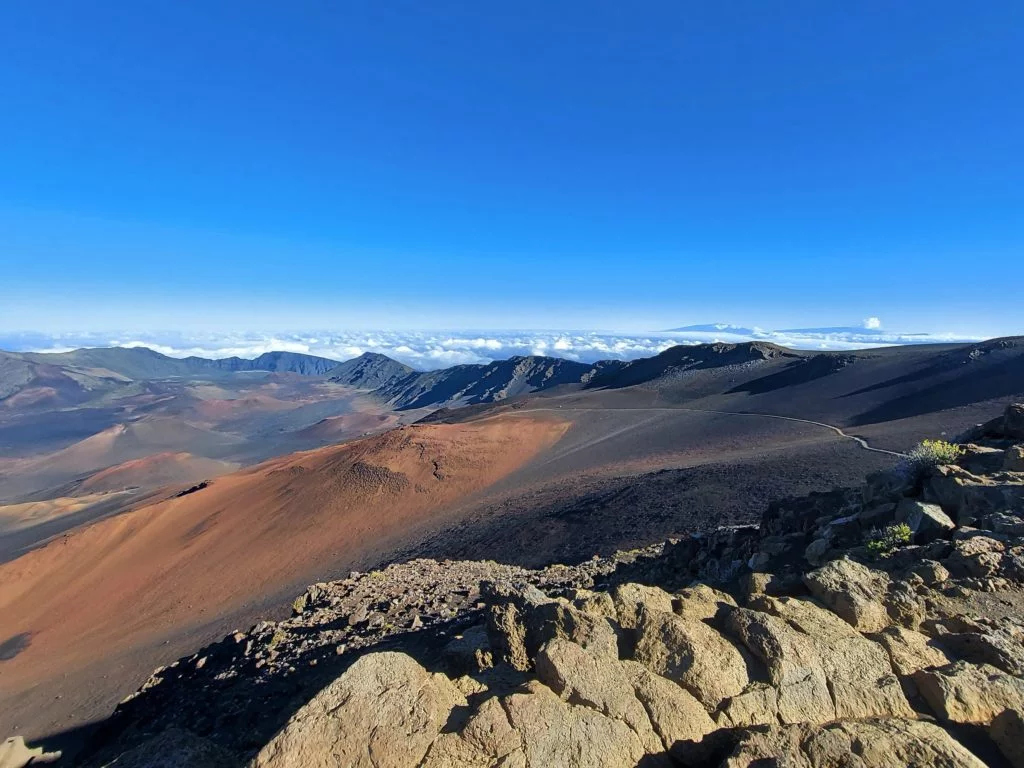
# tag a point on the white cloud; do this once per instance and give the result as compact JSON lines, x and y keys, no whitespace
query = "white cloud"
{"x":430,"y":350}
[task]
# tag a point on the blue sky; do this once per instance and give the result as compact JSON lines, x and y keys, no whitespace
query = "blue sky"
{"x":521,"y":165}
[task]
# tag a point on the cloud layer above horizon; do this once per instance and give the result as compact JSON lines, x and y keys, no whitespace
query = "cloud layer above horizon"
{"x":438,"y":349}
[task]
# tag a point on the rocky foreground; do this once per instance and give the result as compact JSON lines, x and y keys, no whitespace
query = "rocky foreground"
{"x":875,"y":626}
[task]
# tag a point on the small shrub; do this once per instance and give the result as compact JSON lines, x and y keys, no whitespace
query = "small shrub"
{"x":929,"y":454}
{"x":892,"y":537}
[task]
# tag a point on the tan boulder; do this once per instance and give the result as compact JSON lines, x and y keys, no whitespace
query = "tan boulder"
{"x":969,"y":693}
{"x":520,"y":619}
{"x":692,"y":654}
{"x":910,"y":651}
{"x":14,"y":753}
{"x":758,"y":705}
{"x":858,"y":671}
{"x":853,"y":591}
{"x":555,"y":733}
{"x":584,"y":679}
{"x":793,"y":662}
{"x":976,"y":556}
{"x":874,"y":743}
{"x":701,"y":602}
{"x":341,"y":725}
{"x":595,"y":603}
{"x":486,"y":736}
{"x":630,"y":599}
{"x":1007,"y":731}
{"x":675,"y":714}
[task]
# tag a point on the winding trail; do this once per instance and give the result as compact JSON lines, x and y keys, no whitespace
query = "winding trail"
{"x":859,"y":440}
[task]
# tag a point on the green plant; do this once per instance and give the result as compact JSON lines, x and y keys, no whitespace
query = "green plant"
{"x":929,"y":454}
{"x":888,"y":539}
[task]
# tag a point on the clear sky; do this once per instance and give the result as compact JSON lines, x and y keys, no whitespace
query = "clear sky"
{"x":590,"y":164}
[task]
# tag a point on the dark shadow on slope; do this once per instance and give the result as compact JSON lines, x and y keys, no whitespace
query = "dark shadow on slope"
{"x":796,"y":373}
{"x":1002,"y":380}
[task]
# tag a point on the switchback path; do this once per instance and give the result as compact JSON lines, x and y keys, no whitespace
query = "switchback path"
{"x":859,"y":440}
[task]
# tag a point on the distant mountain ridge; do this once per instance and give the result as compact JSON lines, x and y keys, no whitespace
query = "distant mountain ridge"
{"x":404,"y":388}
{"x":145,"y":363}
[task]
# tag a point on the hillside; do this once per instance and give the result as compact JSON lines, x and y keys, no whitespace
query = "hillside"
{"x":798,"y":641}
{"x":144,"y":363}
{"x":403,"y":388}
{"x":163,"y":570}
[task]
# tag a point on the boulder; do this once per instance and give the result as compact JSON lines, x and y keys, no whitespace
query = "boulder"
{"x":926,"y":521}
{"x":876,"y":743}
{"x":341,"y":725}
{"x":976,"y":557}
{"x":903,"y":605}
{"x":816,"y":551}
{"x":675,"y":714}
{"x":14,"y":753}
{"x":595,"y":603}
{"x":1013,"y":421}
{"x":910,"y":651}
{"x":584,"y":679}
{"x":857,"y":670}
{"x":969,"y":693}
{"x":886,"y":486}
{"x":1007,"y":731}
{"x":877,"y":515}
{"x":1002,"y":647}
{"x":486,"y":736}
{"x":468,"y":653}
{"x":692,"y":654}
{"x":970,"y":498}
{"x":980,"y":459}
{"x":853,"y":591}
{"x":521,"y":619}
{"x":758,"y":705}
{"x":701,"y":602}
{"x":1005,"y":523}
{"x":554,"y":733}
{"x":793,"y":663}
{"x":1014,"y":459}
{"x":630,"y":599}
{"x":932,"y":572}
{"x":754,"y":584}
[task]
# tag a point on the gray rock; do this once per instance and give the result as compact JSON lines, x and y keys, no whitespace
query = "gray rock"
{"x":1014,"y":460}
{"x":816,"y":551}
{"x":926,"y":521}
{"x":1013,"y":421}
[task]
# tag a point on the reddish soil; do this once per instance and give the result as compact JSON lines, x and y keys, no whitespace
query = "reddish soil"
{"x":125,"y":581}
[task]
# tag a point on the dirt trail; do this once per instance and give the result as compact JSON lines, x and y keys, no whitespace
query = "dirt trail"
{"x":859,"y":440}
